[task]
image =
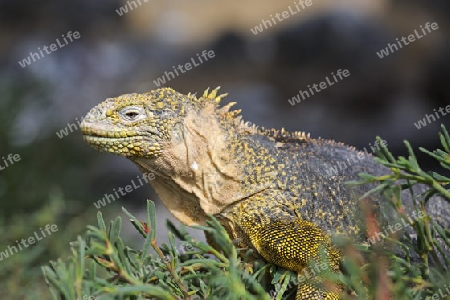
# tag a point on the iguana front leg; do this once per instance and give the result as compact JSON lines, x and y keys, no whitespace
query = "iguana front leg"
{"x":291,"y":243}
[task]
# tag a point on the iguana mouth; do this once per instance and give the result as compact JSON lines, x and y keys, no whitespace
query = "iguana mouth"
{"x":122,"y":143}
{"x":117,"y":134}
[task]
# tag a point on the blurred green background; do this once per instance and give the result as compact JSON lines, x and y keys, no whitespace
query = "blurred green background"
{"x":58,"y":180}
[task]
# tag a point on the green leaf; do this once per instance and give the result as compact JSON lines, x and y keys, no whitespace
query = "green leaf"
{"x":115,"y":230}
{"x":101,"y":223}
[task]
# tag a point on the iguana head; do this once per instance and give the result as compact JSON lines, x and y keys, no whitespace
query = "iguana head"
{"x":137,"y":125}
{"x":187,"y":142}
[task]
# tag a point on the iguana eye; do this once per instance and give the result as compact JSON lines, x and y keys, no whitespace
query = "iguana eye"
{"x":132,"y":113}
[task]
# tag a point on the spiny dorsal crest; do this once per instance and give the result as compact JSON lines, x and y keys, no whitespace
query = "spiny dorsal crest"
{"x":285,"y":136}
{"x":282,"y":135}
{"x":214,"y":98}
{"x":213,"y":95}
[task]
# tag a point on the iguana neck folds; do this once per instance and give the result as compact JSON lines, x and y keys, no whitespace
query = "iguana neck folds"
{"x":199,"y":162}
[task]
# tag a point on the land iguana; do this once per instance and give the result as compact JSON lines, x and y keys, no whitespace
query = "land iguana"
{"x":270,"y":189}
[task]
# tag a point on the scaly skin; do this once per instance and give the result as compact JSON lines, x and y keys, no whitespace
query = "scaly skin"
{"x":268,"y":188}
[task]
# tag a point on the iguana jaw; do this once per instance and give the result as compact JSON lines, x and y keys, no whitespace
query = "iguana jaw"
{"x":129,"y":131}
{"x":128,"y":143}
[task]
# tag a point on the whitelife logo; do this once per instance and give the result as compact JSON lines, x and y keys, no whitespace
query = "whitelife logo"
{"x":124,"y":9}
{"x":391,"y":48}
{"x":431,"y":118}
{"x":265,"y":24}
{"x":187,"y":66}
{"x":31,"y":240}
{"x":70,"y":126}
{"x":108,"y":198}
{"x":53,"y":47}
{"x":11,"y":158}
{"x":319,"y":87}
{"x":354,"y":158}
